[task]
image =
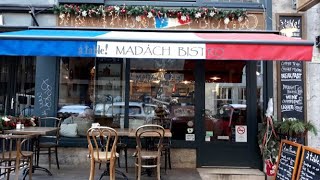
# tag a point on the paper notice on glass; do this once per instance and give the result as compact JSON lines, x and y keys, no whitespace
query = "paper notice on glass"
{"x":241,"y":133}
{"x":190,"y":137}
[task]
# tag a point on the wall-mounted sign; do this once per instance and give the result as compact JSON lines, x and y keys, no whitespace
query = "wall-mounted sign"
{"x":291,"y":24}
{"x":291,"y":75}
{"x":303,"y":5}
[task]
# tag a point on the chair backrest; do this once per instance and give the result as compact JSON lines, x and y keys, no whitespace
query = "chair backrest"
{"x":153,"y":131}
{"x":102,"y":141}
{"x":11,"y":147}
{"x":51,"y":122}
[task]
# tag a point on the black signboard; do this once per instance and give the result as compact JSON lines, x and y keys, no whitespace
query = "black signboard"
{"x":291,"y":90}
{"x":288,"y":160}
{"x":309,"y":168}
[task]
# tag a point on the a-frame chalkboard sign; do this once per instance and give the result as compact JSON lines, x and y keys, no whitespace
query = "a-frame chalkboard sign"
{"x":309,"y":168}
{"x":288,"y":160}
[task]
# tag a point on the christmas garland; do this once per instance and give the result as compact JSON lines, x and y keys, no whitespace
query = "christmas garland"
{"x":90,"y":10}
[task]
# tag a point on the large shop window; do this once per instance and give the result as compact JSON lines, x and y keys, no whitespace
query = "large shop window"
{"x":90,"y":89}
{"x":166,"y":85}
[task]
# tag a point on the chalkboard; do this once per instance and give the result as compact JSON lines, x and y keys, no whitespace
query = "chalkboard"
{"x":309,"y":168}
{"x":288,"y":160}
{"x":291,"y":90}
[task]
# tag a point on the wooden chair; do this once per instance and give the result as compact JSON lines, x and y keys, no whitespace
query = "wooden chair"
{"x":49,"y":144}
{"x":102,"y":144}
{"x":15,"y":152}
{"x":166,"y":144}
{"x":148,"y":156}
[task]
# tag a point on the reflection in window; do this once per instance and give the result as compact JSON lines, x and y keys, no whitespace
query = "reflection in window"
{"x":165,"y":83}
{"x":225,"y":102}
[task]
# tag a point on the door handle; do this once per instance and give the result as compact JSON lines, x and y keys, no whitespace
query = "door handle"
{"x":12,"y":101}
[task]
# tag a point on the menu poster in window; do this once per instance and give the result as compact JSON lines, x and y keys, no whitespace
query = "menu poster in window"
{"x":291,"y":99}
{"x":288,"y":160}
{"x":309,"y":168}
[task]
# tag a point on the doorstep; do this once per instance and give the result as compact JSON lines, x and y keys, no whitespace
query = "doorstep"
{"x":228,"y":173}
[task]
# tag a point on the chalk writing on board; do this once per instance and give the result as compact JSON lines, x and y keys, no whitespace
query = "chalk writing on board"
{"x":291,"y":89}
{"x":45,"y":97}
{"x":310,"y":165}
{"x":287,"y":160}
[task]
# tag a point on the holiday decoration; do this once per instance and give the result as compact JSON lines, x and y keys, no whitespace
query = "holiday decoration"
{"x":143,"y":13}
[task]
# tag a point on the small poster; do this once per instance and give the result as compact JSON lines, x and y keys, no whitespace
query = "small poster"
{"x":241,"y":133}
{"x":190,"y":137}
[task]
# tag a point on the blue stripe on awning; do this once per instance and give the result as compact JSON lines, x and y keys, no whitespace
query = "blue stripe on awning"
{"x":56,"y":33}
{"x":48,"y":48}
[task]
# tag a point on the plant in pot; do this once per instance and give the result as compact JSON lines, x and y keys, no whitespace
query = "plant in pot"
{"x":294,"y":129}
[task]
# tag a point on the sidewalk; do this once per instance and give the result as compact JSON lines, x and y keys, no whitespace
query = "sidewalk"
{"x":82,"y":173}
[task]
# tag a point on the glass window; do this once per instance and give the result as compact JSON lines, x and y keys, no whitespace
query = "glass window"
{"x":92,"y":83}
{"x":225,"y":101}
{"x":167,"y":84}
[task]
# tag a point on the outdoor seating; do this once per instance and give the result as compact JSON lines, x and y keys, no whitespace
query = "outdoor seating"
{"x":148,"y":156}
{"x":49,"y":143}
{"x":102,"y":142}
{"x":14,"y":150}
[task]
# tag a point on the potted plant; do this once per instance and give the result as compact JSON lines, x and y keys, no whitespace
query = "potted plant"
{"x":294,"y":129}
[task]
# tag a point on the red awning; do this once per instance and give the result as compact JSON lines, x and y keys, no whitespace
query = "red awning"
{"x":251,"y":46}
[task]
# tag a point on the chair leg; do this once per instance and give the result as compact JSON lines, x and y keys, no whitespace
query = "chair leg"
{"x":139,"y":164}
{"x":17,"y":169}
{"x":158,"y":169}
{"x":30,"y":167}
{"x":92,"y":169}
{"x":126,"y":158}
{"x":169,"y":157}
{"x":56,"y":152}
{"x":165,"y":160}
{"x":119,"y":160}
{"x":49,"y":152}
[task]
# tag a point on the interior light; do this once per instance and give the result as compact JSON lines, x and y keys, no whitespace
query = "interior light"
{"x":215,"y":78}
{"x":156,"y":81}
{"x":186,"y":82}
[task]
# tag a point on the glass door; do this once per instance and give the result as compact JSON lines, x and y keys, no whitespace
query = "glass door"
{"x":225,"y":130}
{"x":17,"y":79}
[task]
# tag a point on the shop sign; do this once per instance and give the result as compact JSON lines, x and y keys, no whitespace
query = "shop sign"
{"x":241,"y":133}
{"x":151,"y":50}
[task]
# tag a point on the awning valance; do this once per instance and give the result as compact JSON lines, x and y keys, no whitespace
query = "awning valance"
{"x":162,"y":45}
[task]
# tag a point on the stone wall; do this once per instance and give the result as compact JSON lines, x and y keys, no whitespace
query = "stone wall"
{"x":312,"y":29}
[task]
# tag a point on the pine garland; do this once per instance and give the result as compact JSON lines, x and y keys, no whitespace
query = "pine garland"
{"x":91,"y":10}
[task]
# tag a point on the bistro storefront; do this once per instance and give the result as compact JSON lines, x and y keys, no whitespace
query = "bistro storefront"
{"x":207,"y":81}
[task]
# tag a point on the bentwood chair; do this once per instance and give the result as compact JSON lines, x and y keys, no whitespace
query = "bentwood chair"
{"x":148,"y":156}
{"x":102,"y":144}
{"x":16,"y":151}
{"x":48,"y":144}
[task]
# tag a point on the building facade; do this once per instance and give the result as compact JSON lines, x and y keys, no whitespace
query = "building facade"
{"x":215,"y":106}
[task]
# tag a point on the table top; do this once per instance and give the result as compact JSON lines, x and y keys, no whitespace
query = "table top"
{"x":32,"y":130}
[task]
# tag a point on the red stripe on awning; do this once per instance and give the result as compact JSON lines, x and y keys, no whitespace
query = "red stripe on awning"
{"x":258,"y":52}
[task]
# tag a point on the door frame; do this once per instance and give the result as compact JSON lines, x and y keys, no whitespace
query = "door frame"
{"x":249,"y":150}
